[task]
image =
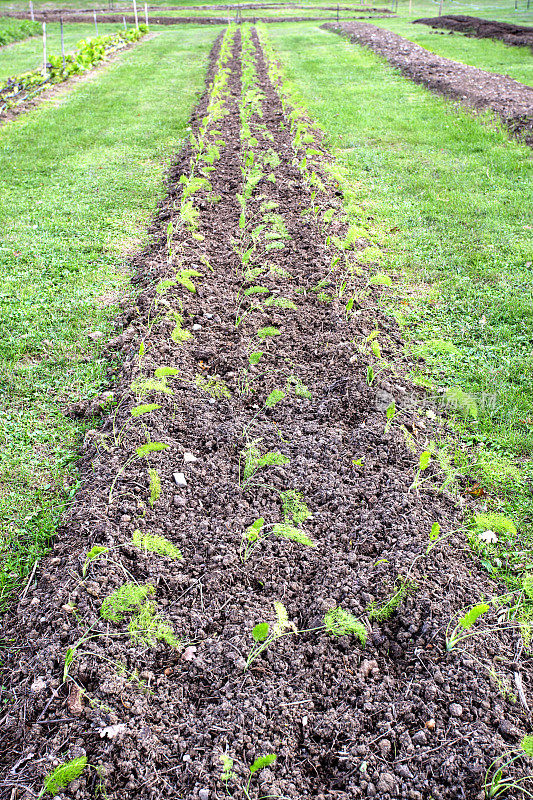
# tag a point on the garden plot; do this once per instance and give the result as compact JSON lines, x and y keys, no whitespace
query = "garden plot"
{"x":482,"y":90}
{"x":516,"y":35}
{"x":261,"y":588}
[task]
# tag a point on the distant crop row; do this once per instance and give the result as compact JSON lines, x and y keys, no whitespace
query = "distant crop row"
{"x":14,"y":30}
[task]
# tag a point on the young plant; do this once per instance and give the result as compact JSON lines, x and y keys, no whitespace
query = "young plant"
{"x":462,"y":630}
{"x":254,"y":461}
{"x":497,"y":784}
{"x":257,"y":532}
{"x":62,"y":775}
{"x":380,"y":612}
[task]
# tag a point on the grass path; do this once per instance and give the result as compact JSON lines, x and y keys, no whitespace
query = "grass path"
{"x":487,"y":54}
{"x":79,"y":183}
{"x":447,"y":199}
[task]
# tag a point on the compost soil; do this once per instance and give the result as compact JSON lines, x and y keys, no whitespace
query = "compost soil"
{"x":512,"y":101}
{"x":517,"y":35}
{"x":400,"y":718}
{"x":156,"y":19}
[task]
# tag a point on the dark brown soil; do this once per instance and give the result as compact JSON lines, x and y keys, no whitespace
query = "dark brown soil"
{"x":517,"y":35}
{"x":399,"y":719}
{"x":156,"y":19}
{"x":512,"y":101}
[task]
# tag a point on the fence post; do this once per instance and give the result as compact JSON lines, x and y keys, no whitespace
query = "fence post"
{"x":135,"y":13}
{"x":62,"y":42}
{"x":44,"y":49}
{"x":337,"y":12}
{"x":95,"y":22}
{"x":440,"y":8}
{"x":410,"y":7}
{"x":124,"y":21}
{"x":31,"y":12}
{"x":146,"y":13}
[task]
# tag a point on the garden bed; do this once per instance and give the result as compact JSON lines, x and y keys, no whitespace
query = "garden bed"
{"x":512,"y":101}
{"x":258,"y":380}
{"x":517,"y":35}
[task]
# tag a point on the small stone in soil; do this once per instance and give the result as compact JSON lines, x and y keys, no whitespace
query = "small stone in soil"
{"x":189,"y":458}
{"x":196,"y":327}
{"x":456,"y":710}
{"x":179,"y":479}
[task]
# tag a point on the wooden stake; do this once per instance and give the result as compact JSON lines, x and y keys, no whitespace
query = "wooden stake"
{"x":146,"y":13}
{"x":44,"y":48}
{"x":124,"y":21}
{"x":440,"y":8}
{"x":410,"y":7}
{"x":62,"y":42}
{"x":95,"y":22}
{"x":135,"y":12}
{"x":31,"y":12}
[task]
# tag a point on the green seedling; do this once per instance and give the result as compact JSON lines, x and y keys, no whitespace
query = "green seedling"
{"x":227,"y":774}
{"x":423,"y":464}
{"x":337,"y":622}
{"x":184,"y":277}
{"x":153,"y":543}
{"x":497,"y":784}
{"x":257,"y":532}
{"x":380,"y":612}
{"x":140,"y":452}
{"x":155,"y":486}
{"x":254,"y":460}
{"x":462,"y":630}
{"x":94,"y":553}
{"x":63,"y":775}
{"x":213,"y":385}
{"x":268,"y":330}
{"x":390,"y":413}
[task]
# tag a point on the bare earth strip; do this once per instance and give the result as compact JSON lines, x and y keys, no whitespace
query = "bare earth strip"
{"x":511,"y":100}
{"x":511,"y":34}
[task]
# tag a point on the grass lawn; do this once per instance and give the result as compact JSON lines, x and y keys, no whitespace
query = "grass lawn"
{"x":449,"y":201}
{"x":79,"y":181}
{"x":488,"y":54}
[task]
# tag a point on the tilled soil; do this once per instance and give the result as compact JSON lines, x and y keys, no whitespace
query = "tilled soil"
{"x":517,"y":35}
{"x":156,"y":19}
{"x":400,"y":718}
{"x":511,"y":100}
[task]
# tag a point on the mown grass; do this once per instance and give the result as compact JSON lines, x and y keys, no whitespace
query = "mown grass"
{"x":28,"y":55}
{"x":79,"y":181}
{"x":448,"y":198}
{"x":488,"y":54}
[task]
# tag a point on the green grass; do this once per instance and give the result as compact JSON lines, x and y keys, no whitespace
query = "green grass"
{"x":488,"y":54}
{"x":13,"y":30}
{"x":449,"y":200}
{"x":79,"y":181}
{"x":28,"y":55}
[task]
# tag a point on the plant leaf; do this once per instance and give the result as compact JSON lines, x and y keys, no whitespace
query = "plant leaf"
{"x":262,"y":762}
{"x":260,"y":631}
{"x":150,"y":447}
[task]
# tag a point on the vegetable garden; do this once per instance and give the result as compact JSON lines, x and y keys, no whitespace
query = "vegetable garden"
{"x":265,"y":585}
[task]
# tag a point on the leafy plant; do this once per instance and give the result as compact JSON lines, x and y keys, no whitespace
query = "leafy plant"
{"x":94,"y":553}
{"x":254,"y":460}
{"x":383,"y":611}
{"x":156,"y":544}
{"x":155,"y":485}
{"x":339,"y":622}
{"x":184,"y":277}
{"x":461,"y":630}
{"x":213,"y":385}
{"x":497,"y":784}
{"x":126,"y":599}
{"x":63,"y":775}
{"x":267,"y":331}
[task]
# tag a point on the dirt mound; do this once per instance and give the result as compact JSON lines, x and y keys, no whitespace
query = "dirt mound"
{"x":155,"y":19}
{"x":519,"y":35}
{"x":482,"y":90}
{"x":250,"y":431}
